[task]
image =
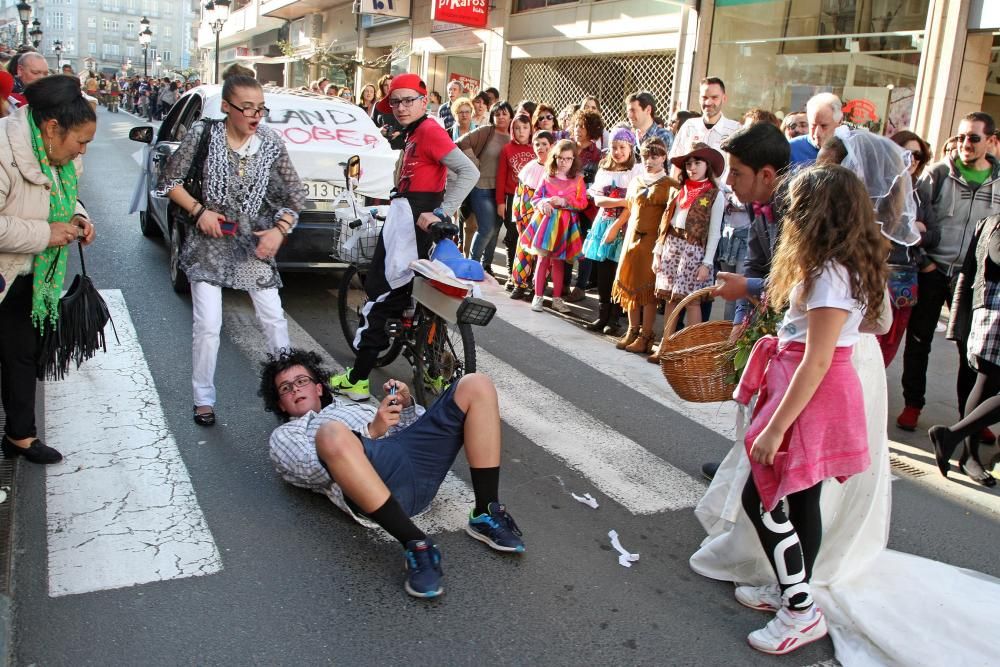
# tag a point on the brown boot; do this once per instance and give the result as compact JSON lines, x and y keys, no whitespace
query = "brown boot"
{"x":641,"y":345}
{"x":654,"y":357}
{"x":630,"y":337}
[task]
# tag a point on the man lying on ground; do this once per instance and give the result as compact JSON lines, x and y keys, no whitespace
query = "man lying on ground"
{"x":387,"y":463}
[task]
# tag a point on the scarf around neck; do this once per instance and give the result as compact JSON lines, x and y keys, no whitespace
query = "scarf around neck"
{"x":49,"y":270}
{"x":691,"y":190}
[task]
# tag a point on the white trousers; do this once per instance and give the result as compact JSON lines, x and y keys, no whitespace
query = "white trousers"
{"x":206,"y":301}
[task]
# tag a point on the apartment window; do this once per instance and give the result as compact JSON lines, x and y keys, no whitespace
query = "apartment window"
{"x":56,"y":20}
{"x":115,"y":25}
{"x":130,"y":27}
{"x":130,"y":51}
{"x":69,"y":46}
{"x":167,"y":31}
{"x":91,"y":21}
{"x":92,"y":47}
{"x":107,"y":24}
{"x":166,"y":56}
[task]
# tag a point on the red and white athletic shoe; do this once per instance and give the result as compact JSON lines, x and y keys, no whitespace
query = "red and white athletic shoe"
{"x":761,"y":598}
{"x":789,"y":631}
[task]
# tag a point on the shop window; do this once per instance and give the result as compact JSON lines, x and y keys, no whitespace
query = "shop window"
{"x":525,"y":5}
{"x":776,"y":54}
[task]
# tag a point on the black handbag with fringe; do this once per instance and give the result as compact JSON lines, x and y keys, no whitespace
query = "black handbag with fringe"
{"x":79,"y":332}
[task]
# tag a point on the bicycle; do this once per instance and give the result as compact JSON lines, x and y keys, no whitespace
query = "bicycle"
{"x":435,"y":334}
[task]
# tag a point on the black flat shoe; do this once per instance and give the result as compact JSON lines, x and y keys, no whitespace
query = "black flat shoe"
{"x":204,"y":418}
{"x":942,"y":449}
{"x":37,"y":452}
{"x":982,"y":477}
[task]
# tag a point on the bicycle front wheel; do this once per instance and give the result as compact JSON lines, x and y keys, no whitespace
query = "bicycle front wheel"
{"x":351,"y":298}
{"x":442,"y":355}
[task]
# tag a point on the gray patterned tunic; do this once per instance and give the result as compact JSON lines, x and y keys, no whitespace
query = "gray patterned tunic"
{"x":253,"y":187}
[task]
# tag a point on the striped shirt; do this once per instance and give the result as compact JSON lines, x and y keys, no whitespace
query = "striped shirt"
{"x":293,"y":444}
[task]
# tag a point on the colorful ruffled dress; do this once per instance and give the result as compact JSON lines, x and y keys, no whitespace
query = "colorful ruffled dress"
{"x":558,"y":233}
{"x":528,"y":180}
{"x":612,"y":184}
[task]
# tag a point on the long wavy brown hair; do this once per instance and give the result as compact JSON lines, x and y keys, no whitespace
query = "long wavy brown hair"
{"x":830,"y":219}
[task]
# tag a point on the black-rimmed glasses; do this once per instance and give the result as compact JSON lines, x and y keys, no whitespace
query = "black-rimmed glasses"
{"x":300,"y":381}
{"x":396,"y":102}
{"x":250,"y":112}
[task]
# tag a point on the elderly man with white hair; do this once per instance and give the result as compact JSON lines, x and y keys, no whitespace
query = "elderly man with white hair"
{"x":824,"y":113}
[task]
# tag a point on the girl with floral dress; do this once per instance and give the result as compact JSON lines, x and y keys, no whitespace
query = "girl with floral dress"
{"x":645,"y":202}
{"x":553,"y":234}
{"x":685,"y":249}
{"x":528,"y":180}
{"x":615,"y":172}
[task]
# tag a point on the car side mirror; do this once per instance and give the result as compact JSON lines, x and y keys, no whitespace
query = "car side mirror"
{"x":142,"y":134}
{"x":353,"y":168}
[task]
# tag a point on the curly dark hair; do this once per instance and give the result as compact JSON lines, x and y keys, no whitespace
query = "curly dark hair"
{"x":281,"y":362}
{"x":592,"y":122}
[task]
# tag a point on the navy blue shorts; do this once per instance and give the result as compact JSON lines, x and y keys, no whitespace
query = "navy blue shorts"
{"x":413,"y":463}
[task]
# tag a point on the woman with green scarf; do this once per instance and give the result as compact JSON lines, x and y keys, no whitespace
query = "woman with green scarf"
{"x":40,"y":149}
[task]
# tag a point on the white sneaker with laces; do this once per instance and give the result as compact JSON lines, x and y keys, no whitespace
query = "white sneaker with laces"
{"x":537,"y":304}
{"x":560,"y":306}
{"x":789,"y":631}
{"x":761,"y":598}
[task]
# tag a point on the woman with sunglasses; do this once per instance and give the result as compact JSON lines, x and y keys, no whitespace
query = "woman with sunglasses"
{"x":250,"y":200}
{"x":544,"y":119}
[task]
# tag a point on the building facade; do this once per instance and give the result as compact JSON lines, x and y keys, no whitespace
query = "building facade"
{"x":103,"y":35}
{"x":917,"y":64}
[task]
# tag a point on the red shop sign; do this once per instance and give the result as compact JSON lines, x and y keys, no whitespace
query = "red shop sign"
{"x":473,"y":13}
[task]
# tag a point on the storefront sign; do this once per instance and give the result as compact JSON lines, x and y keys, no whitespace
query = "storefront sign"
{"x":398,"y":8}
{"x":469,"y":85}
{"x":472,"y":13}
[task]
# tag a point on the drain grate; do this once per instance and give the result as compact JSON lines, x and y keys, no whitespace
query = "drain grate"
{"x":905,"y":468}
{"x":6,"y":514}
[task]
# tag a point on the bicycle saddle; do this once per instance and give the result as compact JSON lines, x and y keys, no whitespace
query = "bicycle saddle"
{"x":448,"y":254}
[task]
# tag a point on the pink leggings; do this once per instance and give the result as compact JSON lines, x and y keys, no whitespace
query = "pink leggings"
{"x":542,"y":272}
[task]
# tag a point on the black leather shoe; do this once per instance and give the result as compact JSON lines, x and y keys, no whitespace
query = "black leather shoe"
{"x":37,"y":452}
{"x":204,"y":418}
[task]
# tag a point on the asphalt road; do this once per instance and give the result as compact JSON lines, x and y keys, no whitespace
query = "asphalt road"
{"x":302,"y":584}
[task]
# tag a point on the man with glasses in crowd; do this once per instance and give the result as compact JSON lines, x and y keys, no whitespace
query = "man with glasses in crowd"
{"x":795,"y":124}
{"x":418,"y":201}
{"x":962,"y":189}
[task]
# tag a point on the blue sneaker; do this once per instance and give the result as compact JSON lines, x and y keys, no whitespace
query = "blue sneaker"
{"x":423,"y":569}
{"x":496,"y":529}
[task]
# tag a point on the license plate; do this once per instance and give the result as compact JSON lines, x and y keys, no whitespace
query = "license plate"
{"x":322,"y":190}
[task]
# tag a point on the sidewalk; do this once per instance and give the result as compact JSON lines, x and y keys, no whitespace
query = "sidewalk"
{"x":7,"y":470}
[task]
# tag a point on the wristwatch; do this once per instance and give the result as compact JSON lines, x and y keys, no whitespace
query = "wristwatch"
{"x":439,"y":212}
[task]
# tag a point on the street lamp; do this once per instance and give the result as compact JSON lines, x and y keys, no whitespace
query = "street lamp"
{"x":57,"y":47}
{"x":24,"y":14}
{"x":36,"y":33}
{"x":216,"y":13}
{"x":145,"y":37}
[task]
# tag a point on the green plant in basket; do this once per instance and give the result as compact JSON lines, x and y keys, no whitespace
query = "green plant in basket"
{"x":762,"y":321}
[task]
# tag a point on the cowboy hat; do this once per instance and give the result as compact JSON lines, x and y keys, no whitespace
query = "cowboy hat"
{"x":703,"y":152}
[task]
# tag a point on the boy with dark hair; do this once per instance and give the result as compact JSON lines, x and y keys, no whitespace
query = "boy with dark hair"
{"x":386,"y":464}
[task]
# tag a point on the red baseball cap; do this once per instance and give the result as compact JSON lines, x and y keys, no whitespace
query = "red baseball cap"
{"x":410,"y":81}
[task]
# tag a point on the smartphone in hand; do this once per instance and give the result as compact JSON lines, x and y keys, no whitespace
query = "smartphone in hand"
{"x":228,"y":227}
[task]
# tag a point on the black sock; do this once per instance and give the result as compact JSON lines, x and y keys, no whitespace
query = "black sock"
{"x":486,"y":486}
{"x":392,"y":517}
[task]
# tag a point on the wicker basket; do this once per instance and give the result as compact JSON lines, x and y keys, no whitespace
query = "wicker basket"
{"x":696,"y":360}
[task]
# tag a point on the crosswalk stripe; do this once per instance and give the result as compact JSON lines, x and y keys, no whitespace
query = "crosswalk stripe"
{"x":121,"y":507}
{"x":631,"y":370}
{"x":449,"y":511}
{"x":621,"y":468}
